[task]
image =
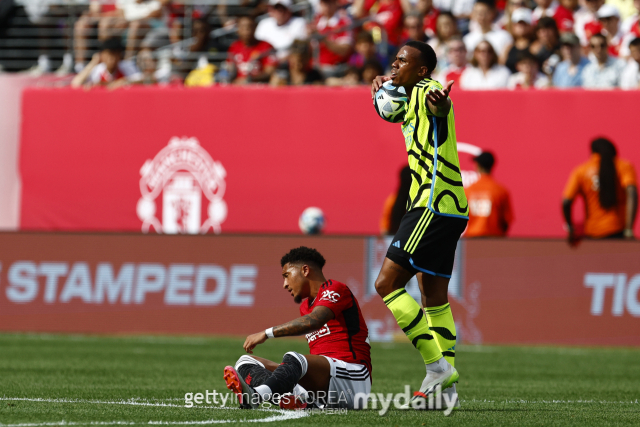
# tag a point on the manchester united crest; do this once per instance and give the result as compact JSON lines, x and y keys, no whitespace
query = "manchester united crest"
{"x":173,"y":185}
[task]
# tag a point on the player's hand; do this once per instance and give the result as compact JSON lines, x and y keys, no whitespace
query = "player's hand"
{"x":253,"y":340}
{"x":436,"y":96}
{"x":377,"y":84}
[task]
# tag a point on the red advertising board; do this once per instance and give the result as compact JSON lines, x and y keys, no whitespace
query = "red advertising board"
{"x":156,"y":284}
{"x":503,"y":291}
{"x":546,"y":292}
{"x":252,"y":159}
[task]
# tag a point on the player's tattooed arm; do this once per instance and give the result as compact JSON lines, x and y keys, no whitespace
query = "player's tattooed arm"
{"x":300,"y":326}
{"x":305,"y":324}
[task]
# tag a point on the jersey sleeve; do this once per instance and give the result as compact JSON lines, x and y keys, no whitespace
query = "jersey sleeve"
{"x":627,"y":175}
{"x":336,"y":297}
{"x":573,"y":185}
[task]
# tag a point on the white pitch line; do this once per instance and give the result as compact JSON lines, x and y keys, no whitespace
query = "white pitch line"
{"x":133,"y":402}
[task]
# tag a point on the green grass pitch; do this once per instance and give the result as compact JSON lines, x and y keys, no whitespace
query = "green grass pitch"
{"x":56,"y":380}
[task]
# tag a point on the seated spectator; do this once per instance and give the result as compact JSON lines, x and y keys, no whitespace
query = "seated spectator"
{"x":631,"y":30}
{"x":484,"y":13}
{"x":429,"y":16}
{"x":355,"y":76}
{"x":586,"y":21}
{"x":352,"y":77}
{"x":461,"y":9}
{"x":528,"y":75}
{"x":604,"y":71}
{"x":413,"y":28}
{"x":522,"y":33}
{"x":387,"y":14}
{"x":365,"y":50}
{"x":546,"y":47}
{"x":281,"y":28}
{"x":335,"y":40}
{"x":299,"y":70}
{"x":630,"y":78}
{"x":85,"y":25}
{"x":485,"y":72}
{"x":568,"y":73}
{"x":544,"y":8}
{"x":632,"y":22}
{"x":446,"y":28}
{"x":142,"y":16}
{"x":456,"y":60}
{"x":609,"y":18}
{"x":150,"y":72}
{"x":490,"y":212}
{"x":107,"y":68}
{"x":564,"y":15}
{"x":370,"y":70}
{"x":251,"y":60}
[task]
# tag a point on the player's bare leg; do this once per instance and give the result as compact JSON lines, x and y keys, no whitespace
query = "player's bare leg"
{"x":410,"y":317}
{"x":435,"y":300}
{"x":391,"y":278}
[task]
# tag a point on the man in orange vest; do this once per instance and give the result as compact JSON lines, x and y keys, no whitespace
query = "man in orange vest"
{"x":490,"y":211}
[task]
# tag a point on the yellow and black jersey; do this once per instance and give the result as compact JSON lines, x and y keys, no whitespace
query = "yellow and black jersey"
{"x":433,"y":157}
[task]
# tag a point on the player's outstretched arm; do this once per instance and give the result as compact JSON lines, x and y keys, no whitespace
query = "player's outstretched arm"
{"x":438,"y":100}
{"x":300,"y":326}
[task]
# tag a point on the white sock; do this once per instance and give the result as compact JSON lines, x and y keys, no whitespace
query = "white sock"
{"x":439,"y":366}
{"x":264,"y":391}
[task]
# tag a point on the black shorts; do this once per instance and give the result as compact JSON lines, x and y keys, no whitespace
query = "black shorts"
{"x":426,"y":242}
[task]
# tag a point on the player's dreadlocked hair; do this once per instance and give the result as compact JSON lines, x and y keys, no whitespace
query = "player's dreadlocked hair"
{"x":607,"y":176}
{"x":427,"y":54}
{"x":303,"y":255}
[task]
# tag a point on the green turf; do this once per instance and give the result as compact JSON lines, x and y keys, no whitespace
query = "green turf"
{"x":85,"y":380}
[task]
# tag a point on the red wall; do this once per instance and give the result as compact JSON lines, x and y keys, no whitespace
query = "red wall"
{"x":286,"y":149}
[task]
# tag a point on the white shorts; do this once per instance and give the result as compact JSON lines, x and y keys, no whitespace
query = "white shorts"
{"x":349,"y":386}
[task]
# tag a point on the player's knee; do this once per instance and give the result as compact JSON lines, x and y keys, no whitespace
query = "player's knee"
{"x":246,"y":360}
{"x":293,"y":357}
{"x":383,"y":287}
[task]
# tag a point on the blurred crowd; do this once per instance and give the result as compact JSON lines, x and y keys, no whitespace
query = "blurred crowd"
{"x":480,"y":44}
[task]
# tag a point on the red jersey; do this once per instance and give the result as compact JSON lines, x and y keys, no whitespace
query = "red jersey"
{"x":345,"y":337}
{"x":564,"y":19}
{"x":251,"y":60}
{"x":430,"y":19}
{"x":324,"y":26}
{"x":389,"y":15}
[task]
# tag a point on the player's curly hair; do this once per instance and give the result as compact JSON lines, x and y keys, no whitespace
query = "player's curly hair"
{"x":303,"y":255}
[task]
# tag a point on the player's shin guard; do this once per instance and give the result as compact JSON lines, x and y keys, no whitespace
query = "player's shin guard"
{"x":413,"y":322}
{"x":287,"y":374}
{"x":252,"y":372}
{"x":441,"y":323}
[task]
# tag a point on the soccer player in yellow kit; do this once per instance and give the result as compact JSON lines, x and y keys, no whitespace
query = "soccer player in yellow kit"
{"x":437,"y":214}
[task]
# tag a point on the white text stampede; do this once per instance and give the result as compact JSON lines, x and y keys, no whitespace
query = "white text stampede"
{"x":131,"y":283}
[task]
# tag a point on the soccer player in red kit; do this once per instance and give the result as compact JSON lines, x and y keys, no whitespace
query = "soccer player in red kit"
{"x":336,"y":373}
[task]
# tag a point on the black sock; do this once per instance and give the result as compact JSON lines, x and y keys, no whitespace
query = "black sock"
{"x":286,"y":375}
{"x":253,"y":375}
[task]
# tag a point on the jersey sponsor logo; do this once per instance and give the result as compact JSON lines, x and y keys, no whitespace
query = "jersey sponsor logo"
{"x":329,"y":295}
{"x":322,"y":332}
{"x":174,"y":182}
